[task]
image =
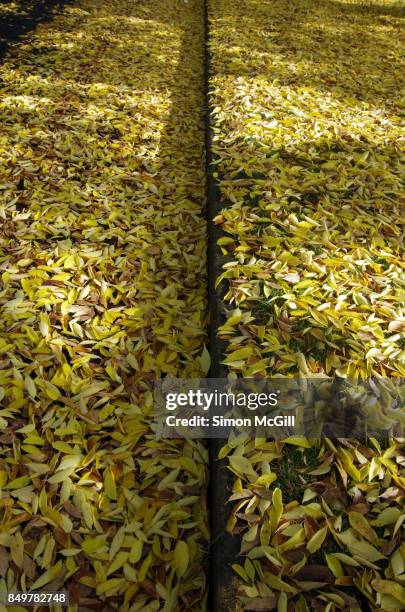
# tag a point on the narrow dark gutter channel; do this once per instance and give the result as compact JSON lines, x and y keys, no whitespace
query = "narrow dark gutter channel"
{"x":223,"y":548}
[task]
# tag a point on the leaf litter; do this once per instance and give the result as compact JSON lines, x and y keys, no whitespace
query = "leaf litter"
{"x":102,"y":291}
{"x":308,"y":156}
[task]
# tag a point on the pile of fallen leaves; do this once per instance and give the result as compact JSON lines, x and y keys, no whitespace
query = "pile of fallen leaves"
{"x":308,"y":142}
{"x":321,"y":524}
{"x":308,"y":146}
{"x":102,"y":290}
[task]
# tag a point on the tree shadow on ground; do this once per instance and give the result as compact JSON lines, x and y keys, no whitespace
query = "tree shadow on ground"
{"x":345,"y":50}
{"x":19,"y":18}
